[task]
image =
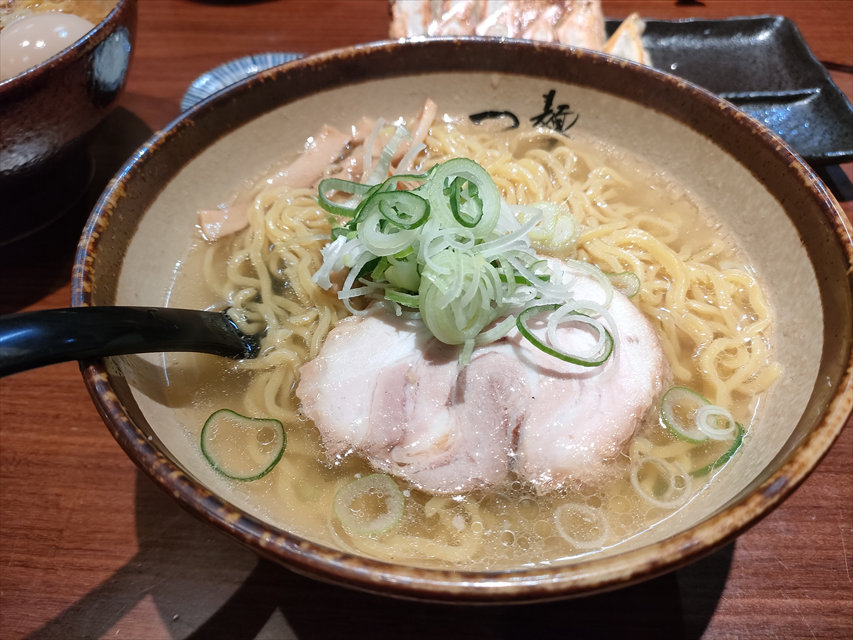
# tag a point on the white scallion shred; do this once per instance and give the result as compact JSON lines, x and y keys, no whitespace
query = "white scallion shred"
{"x":370,"y":143}
{"x":383,"y":164}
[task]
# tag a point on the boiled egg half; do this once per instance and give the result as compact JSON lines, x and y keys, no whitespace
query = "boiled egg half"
{"x":33,"y":39}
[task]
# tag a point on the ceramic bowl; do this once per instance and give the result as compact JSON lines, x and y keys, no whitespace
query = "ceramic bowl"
{"x":778,"y":211}
{"x":46,"y":112}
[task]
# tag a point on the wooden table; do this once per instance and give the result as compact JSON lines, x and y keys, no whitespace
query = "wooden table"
{"x":90,"y":548}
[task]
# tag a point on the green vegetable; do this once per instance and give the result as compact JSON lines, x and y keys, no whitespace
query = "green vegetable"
{"x":692,"y":417}
{"x":678,"y":413}
{"x":344,"y":186}
{"x":240,"y":447}
{"x":402,"y":209}
{"x":380,"y":237}
{"x":456,"y":293}
{"x":598,"y":358}
{"x":451,"y":249}
{"x":557,"y":231}
{"x":626,"y":283}
{"x":369,"y":506}
{"x":719,"y":462}
{"x":462,"y":193}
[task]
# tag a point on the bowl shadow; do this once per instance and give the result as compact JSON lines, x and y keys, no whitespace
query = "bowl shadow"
{"x":203,"y":585}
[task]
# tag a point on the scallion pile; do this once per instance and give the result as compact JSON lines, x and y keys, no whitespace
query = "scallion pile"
{"x":445,"y":245}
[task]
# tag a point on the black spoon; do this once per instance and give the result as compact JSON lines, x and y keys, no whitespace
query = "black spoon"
{"x":38,"y":338}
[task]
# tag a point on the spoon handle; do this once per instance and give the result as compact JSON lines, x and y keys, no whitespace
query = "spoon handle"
{"x":38,"y":338}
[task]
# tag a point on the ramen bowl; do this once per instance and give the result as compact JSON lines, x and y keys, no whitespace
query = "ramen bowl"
{"x":774,"y":207}
{"x":47,"y":110}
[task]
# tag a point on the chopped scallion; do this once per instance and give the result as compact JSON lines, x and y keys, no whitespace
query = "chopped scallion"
{"x":240,"y":447}
{"x":599,"y":358}
{"x":719,"y":462}
{"x":370,"y":505}
{"x":678,"y":413}
{"x":626,"y":283}
{"x":445,"y":244}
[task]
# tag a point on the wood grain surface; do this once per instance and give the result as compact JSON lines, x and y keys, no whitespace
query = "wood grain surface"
{"x":89,"y":548}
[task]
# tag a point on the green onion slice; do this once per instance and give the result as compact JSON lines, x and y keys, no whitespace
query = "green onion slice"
{"x":240,"y":447}
{"x":343,"y":186}
{"x":383,"y":239}
{"x":394,"y":181}
{"x":348,"y":233}
{"x":369,"y":506}
{"x":456,"y":296}
{"x":466,"y":205}
{"x":364,"y":192}
{"x":709,"y":417}
{"x":402,"y":209}
{"x":723,"y":459}
{"x":594,"y":361}
{"x":401,"y":297}
{"x":626,"y":283}
{"x":678,"y":413}
{"x":462,"y":193}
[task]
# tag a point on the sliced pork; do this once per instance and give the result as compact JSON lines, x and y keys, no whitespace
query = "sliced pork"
{"x":582,"y":417}
{"x":320,"y":151}
{"x":384,"y":388}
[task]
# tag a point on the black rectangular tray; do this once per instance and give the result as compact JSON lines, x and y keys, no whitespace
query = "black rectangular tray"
{"x":763,"y":66}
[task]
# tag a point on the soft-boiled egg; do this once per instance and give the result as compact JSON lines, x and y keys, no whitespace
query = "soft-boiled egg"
{"x":33,"y":39}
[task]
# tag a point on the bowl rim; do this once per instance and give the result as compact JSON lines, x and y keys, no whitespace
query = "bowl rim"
{"x":579,"y":577}
{"x":79,"y":48}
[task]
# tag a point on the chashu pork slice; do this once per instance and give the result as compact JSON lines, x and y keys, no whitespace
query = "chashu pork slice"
{"x":582,"y":417}
{"x":384,"y":388}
